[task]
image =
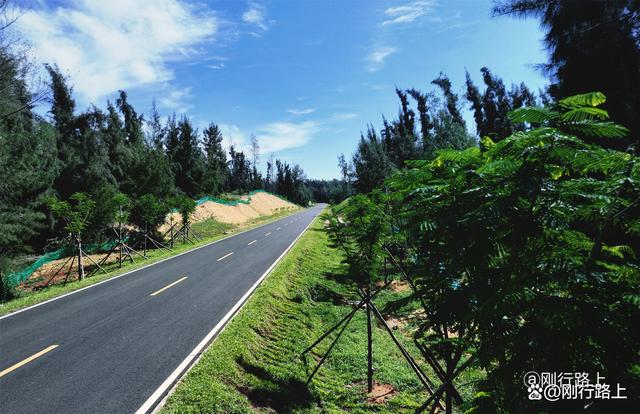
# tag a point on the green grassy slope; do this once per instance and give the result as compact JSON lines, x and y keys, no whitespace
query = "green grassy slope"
{"x":254,"y":364}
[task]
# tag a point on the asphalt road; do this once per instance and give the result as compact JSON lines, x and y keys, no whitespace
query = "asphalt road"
{"x":108,"y":348}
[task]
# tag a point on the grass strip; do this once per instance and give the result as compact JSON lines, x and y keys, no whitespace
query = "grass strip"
{"x":255,"y":366}
{"x":210,"y":229}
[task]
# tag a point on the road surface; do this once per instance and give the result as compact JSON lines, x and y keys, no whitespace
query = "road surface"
{"x":118,"y":346}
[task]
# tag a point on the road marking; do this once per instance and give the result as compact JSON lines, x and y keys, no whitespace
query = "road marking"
{"x":157,"y":292}
{"x":286,"y":224}
{"x":157,"y":398}
{"x":250,"y":243}
{"x":225,"y":256}
{"x":278,"y":228}
{"x":111,"y":279}
{"x":26,"y":361}
{"x":267,"y":234}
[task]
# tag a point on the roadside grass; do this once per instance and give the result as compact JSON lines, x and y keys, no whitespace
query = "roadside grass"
{"x":254,"y":365}
{"x":210,"y":230}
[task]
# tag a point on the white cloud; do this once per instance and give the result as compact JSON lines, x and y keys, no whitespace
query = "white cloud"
{"x":232,"y":134}
{"x":344,"y":116}
{"x":305,"y":111}
{"x":176,"y":99}
{"x":118,"y":44}
{"x":376,"y":58}
{"x":273,"y":136}
{"x":216,"y":65}
{"x":256,"y":15}
{"x":278,"y":136}
{"x":408,"y":12}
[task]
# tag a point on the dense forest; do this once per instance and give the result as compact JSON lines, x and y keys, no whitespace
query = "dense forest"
{"x":520,"y":244}
{"x":105,"y":153}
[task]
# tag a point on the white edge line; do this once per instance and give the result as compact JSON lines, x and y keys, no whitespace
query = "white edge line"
{"x":167,"y":386}
{"x":138,"y":269}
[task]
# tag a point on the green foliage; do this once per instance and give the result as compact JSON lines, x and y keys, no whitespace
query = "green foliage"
{"x":185,"y":205}
{"x":593,"y":45}
{"x":577,"y":115}
{"x":530,"y":238}
{"x":216,"y":161}
{"x":122,"y":208}
{"x":75,"y":212}
{"x":358,"y":229}
{"x":379,"y":155}
{"x":148,"y":212}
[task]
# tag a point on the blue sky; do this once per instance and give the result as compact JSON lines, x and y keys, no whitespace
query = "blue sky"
{"x":304,"y":76}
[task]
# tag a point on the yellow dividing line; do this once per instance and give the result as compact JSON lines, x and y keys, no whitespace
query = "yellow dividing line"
{"x":26,"y":361}
{"x":157,"y":292}
{"x":225,"y":256}
{"x":267,"y":234}
{"x":250,"y":243}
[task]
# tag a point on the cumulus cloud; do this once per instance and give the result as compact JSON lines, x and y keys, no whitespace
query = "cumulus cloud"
{"x":376,"y":58}
{"x":408,"y":13}
{"x":305,"y":111}
{"x":118,"y":44}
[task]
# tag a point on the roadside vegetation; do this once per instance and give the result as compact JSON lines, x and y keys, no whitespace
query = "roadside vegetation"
{"x":210,"y":230}
{"x":255,"y":364}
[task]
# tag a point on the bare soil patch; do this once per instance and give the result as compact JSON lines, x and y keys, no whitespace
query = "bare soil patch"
{"x":381,"y":393}
{"x":261,"y":204}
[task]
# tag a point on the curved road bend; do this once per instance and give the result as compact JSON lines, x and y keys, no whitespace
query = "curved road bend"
{"x":108,"y":348}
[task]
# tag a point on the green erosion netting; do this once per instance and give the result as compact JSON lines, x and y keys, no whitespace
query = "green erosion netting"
{"x":235,"y":202}
{"x":14,"y":279}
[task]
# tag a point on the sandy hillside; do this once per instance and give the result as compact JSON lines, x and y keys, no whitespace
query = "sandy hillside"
{"x":261,"y":204}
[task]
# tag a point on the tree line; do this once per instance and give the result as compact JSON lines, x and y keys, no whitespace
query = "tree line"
{"x":508,"y":244}
{"x":105,"y":153}
{"x":520,"y":244}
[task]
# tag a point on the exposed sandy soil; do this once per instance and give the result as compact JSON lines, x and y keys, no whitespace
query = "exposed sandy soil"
{"x":262,"y":204}
{"x":40,"y":277}
{"x":396,"y":285}
{"x":381,"y":393}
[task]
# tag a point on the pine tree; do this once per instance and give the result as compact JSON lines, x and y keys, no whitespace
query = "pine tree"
{"x":188,"y":160}
{"x":451,"y":99}
{"x":371,"y":164}
{"x":156,"y":132}
{"x":216,"y":172}
{"x":132,"y":121}
{"x":593,"y":46}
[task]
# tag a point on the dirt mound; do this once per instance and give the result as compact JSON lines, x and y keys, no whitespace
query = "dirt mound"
{"x":261,"y":204}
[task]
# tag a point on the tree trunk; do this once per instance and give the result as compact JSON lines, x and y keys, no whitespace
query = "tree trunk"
{"x":146,"y":236}
{"x":80,"y":265}
{"x":119,"y":244}
{"x":171,"y":230}
{"x":449,"y":390}
{"x":369,"y":346}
